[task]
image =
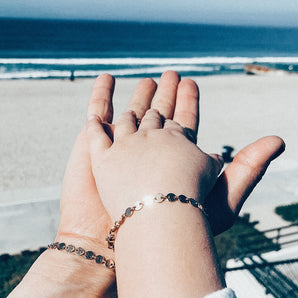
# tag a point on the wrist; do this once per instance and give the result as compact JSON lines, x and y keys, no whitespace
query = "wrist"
{"x":173,"y":241}
{"x":59,"y":273}
{"x":147,"y":197}
{"x":147,"y":202}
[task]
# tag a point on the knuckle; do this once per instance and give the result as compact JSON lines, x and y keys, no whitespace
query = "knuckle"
{"x":164,"y":104}
{"x":243,"y":159}
{"x":98,"y":100}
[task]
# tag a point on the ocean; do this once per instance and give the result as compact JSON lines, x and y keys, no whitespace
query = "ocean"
{"x":54,"y":49}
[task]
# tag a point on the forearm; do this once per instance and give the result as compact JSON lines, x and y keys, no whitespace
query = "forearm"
{"x":60,"y":274}
{"x":166,"y":250}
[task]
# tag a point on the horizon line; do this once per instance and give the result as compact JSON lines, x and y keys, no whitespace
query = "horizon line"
{"x":147,"y":22}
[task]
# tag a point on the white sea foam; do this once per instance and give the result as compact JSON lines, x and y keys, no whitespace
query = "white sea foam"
{"x":116,"y":72}
{"x":148,"y":70}
{"x":235,"y":66}
{"x":19,"y":68}
{"x":34,"y":74}
{"x":148,"y":61}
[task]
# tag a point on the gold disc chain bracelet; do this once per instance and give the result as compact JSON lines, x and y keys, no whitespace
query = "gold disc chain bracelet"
{"x":90,"y":255}
{"x":159,"y":198}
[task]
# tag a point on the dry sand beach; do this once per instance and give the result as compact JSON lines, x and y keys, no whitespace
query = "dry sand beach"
{"x":41,"y":118}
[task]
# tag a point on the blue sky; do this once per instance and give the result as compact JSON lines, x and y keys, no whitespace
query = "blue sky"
{"x":251,"y":12}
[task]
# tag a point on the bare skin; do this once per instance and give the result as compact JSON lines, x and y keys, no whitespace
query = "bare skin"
{"x":140,"y":161}
{"x":156,"y":158}
{"x":81,"y":204}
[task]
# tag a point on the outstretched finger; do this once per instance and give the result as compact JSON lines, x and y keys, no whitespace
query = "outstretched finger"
{"x":187,"y":105}
{"x":100,"y":102}
{"x":142,"y":97}
{"x":239,"y":179}
{"x":165,"y":97}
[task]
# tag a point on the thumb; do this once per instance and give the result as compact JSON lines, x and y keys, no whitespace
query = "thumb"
{"x":248,"y":168}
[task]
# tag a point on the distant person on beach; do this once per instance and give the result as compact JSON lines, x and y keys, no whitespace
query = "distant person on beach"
{"x":72,"y":77}
{"x":141,"y":202}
